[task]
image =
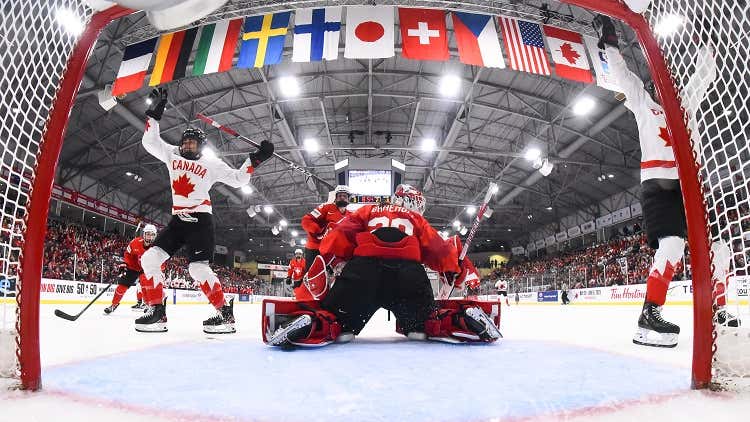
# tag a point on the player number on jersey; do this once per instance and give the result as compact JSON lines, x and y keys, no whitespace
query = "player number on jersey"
{"x":402,"y":224}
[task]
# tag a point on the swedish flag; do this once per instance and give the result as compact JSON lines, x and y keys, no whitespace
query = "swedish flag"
{"x":263,"y":39}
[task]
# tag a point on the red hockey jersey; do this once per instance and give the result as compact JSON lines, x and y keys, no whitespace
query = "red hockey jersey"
{"x":133,"y":253}
{"x":296,"y":269}
{"x":353,"y":237}
{"x":320,"y":220}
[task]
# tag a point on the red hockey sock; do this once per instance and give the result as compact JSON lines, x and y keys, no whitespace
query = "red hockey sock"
{"x":152,"y":294}
{"x":119,"y":291}
{"x":214,"y":293}
{"x":657,"y":284}
{"x":720,"y":297}
{"x":139,"y":295}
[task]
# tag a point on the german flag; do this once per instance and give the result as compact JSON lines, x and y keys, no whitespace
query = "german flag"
{"x":172,"y":56}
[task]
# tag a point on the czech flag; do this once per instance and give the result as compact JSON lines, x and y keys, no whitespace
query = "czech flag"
{"x":477,"y":40}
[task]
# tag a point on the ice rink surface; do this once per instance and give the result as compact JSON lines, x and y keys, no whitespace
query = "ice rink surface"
{"x":555,"y":363}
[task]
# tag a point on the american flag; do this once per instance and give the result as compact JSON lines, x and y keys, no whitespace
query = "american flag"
{"x":525,"y":46}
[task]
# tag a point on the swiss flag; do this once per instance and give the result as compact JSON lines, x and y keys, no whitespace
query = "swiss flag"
{"x":423,"y":34}
{"x":569,"y":54}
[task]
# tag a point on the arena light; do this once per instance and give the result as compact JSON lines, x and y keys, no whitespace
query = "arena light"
{"x":268,"y":209}
{"x":70,"y":21}
{"x":429,"y":144}
{"x":311,"y":145}
{"x":289,"y":86}
{"x":456,"y":224}
{"x":303,"y":242}
{"x":463,"y":231}
{"x":549,"y":208}
{"x":583,"y":106}
{"x":495,"y":189}
{"x":546,"y":168}
{"x":532,"y":154}
{"x":471,"y":210}
{"x":294,"y":233}
{"x":247,"y":189}
{"x":450,"y":85}
{"x":149,"y":100}
{"x":251,"y":213}
{"x":275,"y":230}
{"x":283,"y":223}
{"x":611,"y":176}
{"x":668,"y":24}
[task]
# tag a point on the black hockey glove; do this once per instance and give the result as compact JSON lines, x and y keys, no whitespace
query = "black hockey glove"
{"x":158,"y":99}
{"x":288,"y":281}
{"x":606,"y":29}
{"x":297,"y":283}
{"x":262,"y":154}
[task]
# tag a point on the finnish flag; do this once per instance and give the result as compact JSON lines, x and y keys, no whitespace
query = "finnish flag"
{"x":316,"y":34}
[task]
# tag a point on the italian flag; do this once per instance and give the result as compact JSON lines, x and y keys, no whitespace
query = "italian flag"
{"x":216,"y":47}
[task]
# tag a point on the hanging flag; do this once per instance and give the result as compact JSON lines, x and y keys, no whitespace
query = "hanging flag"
{"x":477,"y":40}
{"x":525,"y":46}
{"x":133,"y":68}
{"x":172,"y":56}
{"x":316,"y":34}
{"x":568,"y":54}
{"x":423,"y":34}
{"x":263,"y":40}
{"x":600,"y":62}
{"x":369,"y":32}
{"x":216,"y":47}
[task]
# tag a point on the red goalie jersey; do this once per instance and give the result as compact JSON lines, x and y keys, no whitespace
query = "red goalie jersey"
{"x":353,"y":237}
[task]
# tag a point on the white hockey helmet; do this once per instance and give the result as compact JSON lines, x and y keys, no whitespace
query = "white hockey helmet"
{"x":149,"y":233}
{"x":409,"y":197}
{"x":298,"y":252}
{"x":341,"y":189}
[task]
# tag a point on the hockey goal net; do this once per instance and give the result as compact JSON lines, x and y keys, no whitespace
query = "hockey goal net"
{"x":43,"y":65}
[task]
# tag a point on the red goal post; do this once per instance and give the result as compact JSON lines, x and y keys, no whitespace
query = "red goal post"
{"x":42,"y":178}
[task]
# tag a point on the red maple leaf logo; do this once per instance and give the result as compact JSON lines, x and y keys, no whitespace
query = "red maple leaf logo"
{"x":570,"y":54}
{"x":663,"y":134}
{"x":182,"y":186}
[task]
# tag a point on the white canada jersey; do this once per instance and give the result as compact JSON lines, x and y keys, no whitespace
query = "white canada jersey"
{"x":501,"y":285}
{"x":657,"y":156}
{"x":191,"y":180}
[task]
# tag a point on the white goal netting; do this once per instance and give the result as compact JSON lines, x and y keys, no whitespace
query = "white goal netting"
{"x":35,"y":46}
{"x":708,"y":57}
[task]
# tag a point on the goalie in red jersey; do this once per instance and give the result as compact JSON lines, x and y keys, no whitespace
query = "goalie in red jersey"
{"x":386,"y":247}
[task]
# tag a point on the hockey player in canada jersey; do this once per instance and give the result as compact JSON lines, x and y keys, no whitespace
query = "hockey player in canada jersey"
{"x":191,"y":176}
{"x":661,"y":195}
{"x":294,"y":276}
{"x":321,"y":219}
{"x":130,"y":269}
{"x":386,"y":247}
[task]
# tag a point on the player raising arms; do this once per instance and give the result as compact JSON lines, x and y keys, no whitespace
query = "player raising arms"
{"x":321,"y":219}
{"x":130,"y":269}
{"x":386,"y":247}
{"x":191,"y":176}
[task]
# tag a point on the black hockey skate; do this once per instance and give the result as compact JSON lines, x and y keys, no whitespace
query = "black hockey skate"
{"x":139,"y":306}
{"x":154,"y":320}
{"x":111,"y":308}
{"x":288,"y":333}
{"x":222,"y":322}
{"x":725,"y":319}
{"x":653,"y":330}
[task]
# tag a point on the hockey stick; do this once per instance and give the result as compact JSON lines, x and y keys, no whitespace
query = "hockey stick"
{"x":232,"y":132}
{"x":69,"y":317}
{"x":482,"y":209}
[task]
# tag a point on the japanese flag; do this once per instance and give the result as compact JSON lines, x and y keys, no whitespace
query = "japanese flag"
{"x":369,"y":32}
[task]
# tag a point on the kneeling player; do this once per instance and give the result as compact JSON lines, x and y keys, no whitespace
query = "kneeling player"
{"x":386,"y":247}
{"x":130,"y":269}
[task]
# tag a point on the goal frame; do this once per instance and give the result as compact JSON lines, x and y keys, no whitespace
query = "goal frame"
{"x":47,"y":159}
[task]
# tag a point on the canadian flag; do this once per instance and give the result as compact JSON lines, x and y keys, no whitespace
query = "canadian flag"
{"x":423,"y":34}
{"x":569,"y":54}
{"x":369,"y":32}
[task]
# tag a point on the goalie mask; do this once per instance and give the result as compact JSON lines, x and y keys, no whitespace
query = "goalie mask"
{"x":192,"y":150}
{"x":149,"y":234}
{"x":341,"y":196}
{"x":409,"y":197}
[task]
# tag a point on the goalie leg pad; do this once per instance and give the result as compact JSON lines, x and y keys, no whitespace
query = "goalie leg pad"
{"x":288,"y":323}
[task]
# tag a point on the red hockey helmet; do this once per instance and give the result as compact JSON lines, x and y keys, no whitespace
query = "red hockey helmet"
{"x":409,"y":197}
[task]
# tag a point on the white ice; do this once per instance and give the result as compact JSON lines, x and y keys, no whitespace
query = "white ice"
{"x":555,"y":363}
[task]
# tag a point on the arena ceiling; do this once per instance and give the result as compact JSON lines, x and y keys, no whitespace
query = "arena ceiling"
{"x":350,"y":107}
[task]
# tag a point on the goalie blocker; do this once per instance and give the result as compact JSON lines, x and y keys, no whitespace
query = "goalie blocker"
{"x":305,"y":323}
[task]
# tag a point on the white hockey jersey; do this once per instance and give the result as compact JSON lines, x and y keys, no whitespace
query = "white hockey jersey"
{"x":191,"y":180}
{"x":501,"y":285}
{"x":657,"y":157}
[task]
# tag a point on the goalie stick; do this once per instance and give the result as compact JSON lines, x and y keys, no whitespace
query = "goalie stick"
{"x":232,"y":132}
{"x":482,"y":209}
